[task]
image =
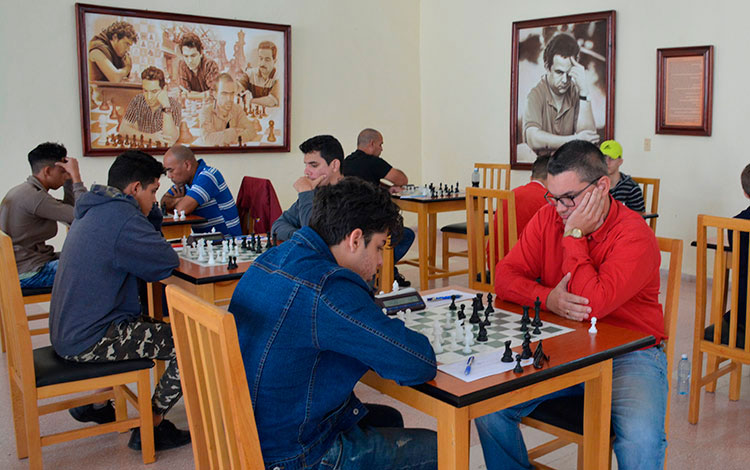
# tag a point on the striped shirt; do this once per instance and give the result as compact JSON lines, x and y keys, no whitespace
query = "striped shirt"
{"x":629,"y":193}
{"x":148,"y":120}
{"x":215,"y":202}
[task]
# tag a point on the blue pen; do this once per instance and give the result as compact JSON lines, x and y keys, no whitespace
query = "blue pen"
{"x":442,"y":297}
{"x":467,"y":371}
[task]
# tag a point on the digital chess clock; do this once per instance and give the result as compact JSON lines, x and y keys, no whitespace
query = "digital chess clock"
{"x":400,"y":300}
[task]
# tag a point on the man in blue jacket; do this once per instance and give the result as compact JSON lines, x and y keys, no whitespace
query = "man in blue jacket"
{"x":309,"y":329}
{"x":95,"y":311}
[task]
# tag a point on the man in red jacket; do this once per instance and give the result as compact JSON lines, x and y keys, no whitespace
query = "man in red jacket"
{"x":585,"y":255}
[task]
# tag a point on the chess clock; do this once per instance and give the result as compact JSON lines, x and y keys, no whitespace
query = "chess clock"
{"x":400,"y":300}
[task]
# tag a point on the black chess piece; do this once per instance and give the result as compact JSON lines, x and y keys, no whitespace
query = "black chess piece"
{"x":243,"y":245}
{"x":486,"y":321}
{"x":461,"y":313}
{"x":536,"y":331}
{"x":275,"y":240}
{"x":480,"y":305}
{"x":518,"y":369}
{"x":537,"y":315}
{"x":539,"y":356}
{"x":232,"y":264}
{"x":268,"y":241}
{"x":489,"y":302}
{"x":526,"y":351}
{"x":508,"y":353}
{"x":525,"y":317}
{"x":482,"y":335}
{"x":452,"y":306}
{"x":251,"y":243}
{"x":527,"y":336}
{"x":474,"y":314}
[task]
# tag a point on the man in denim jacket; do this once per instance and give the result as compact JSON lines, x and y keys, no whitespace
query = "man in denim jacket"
{"x":309,"y":329}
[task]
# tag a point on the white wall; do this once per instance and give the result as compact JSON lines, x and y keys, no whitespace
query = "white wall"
{"x":465,"y":57}
{"x":355,"y":64}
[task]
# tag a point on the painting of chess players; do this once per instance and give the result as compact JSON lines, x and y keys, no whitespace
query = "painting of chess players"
{"x":108,"y":56}
{"x":153,"y":115}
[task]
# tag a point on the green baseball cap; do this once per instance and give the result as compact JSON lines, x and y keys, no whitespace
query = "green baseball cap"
{"x":611,"y":149}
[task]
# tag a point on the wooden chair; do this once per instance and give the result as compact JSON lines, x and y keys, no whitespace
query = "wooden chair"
{"x":40,"y":374}
{"x":484,"y":230}
{"x":494,"y":176}
{"x":217,"y":398}
{"x":723,"y":339}
{"x":32,"y":296}
{"x":563,"y":417}
{"x":650,"y":188}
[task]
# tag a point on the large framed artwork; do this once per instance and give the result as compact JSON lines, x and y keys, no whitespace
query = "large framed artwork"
{"x":149,"y":80}
{"x":562,"y":83}
{"x":684,"y":90}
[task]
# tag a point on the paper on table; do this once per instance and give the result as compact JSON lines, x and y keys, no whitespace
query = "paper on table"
{"x":484,"y":365}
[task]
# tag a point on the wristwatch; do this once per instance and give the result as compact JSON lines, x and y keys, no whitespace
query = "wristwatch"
{"x":166,"y":109}
{"x":583,"y":98}
{"x":574,"y":232}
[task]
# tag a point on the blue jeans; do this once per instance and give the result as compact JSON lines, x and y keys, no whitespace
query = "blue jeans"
{"x":639,"y":402}
{"x":366,"y":447}
{"x":44,"y":278}
{"x":400,"y":250}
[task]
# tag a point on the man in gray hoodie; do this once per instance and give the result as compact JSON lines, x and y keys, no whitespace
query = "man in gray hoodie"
{"x":95,"y":312}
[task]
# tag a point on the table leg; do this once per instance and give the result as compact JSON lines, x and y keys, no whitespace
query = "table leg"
{"x":423,"y":229}
{"x":386,"y":269}
{"x":453,"y":434}
{"x":155,"y":292}
{"x":597,"y":410}
{"x":432,"y":223}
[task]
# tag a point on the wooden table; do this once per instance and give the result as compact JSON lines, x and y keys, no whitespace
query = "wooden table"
{"x":575,"y":357}
{"x":427,"y":210}
{"x":173,"y":229}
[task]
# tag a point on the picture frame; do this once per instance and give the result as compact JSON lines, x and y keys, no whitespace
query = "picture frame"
{"x":684,"y":90}
{"x":149,"y":80}
{"x":544,"y":114}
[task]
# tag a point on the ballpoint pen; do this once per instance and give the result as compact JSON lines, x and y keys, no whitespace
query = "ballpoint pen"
{"x":467,"y":371}
{"x":442,"y":297}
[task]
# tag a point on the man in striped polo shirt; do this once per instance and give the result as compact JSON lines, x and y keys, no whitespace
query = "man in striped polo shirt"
{"x":201,"y":190}
{"x":623,"y":188}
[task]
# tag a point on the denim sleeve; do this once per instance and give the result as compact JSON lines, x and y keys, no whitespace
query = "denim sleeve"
{"x":349,"y":322}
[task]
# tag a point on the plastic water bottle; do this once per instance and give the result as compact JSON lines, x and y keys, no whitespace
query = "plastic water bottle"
{"x":683,"y":376}
{"x":475,"y":178}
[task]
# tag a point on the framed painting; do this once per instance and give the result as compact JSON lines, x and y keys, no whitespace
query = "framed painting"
{"x":684,"y":90}
{"x":562,"y":83}
{"x":149,"y":80}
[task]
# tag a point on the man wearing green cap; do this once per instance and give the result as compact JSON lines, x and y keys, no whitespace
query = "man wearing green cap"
{"x":622,"y":186}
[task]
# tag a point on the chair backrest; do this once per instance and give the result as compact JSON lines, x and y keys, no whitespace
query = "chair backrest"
{"x":494,"y":175}
{"x":671,"y":302}
{"x":484,"y":208}
{"x":650,"y":188}
{"x":708,"y":227}
{"x":217,"y":398}
{"x":20,"y":355}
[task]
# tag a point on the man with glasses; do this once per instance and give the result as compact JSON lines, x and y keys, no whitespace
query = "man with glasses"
{"x":585,"y":255}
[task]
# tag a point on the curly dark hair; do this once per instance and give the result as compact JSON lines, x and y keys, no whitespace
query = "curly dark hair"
{"x":351,"y":204}
{"x":154,"y":73}
{"x":580,"y":156}
{"x":121,"y":29}
{"x":191,"y":40}
{"x":562,"y":44}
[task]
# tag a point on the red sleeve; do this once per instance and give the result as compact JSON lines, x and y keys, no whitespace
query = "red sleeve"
{"x":517,"y":272}
{"x":632,"y":252}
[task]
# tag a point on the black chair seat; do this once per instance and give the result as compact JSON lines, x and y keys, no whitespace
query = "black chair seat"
{"x":563,"y":412}
{"x":461,"y":228}
{"x":28,"y":291}
{"x":51,"y":369}
{"x":709,"y":335}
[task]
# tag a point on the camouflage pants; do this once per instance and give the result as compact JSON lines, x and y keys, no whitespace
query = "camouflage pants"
{"x":138,"y":340}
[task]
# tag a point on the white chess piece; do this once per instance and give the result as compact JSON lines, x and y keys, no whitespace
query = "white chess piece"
{"x":183,"y":240}
{"x":395,"y":286}
{"x":437,"y":345}
{"x":593,"y":329}
{"x":437,"y":328}
{"x":211,"y":259}
{"x":454,"y":339}
{"x":175,"y":216}
{"x":467,"y":342}
{"x":223,"y":256}
{"x":385,"y":311}
{"x":400,"y":315}
{"x":182,"y":215}
{"x":201,"y":254}
{"x":468,"y":335}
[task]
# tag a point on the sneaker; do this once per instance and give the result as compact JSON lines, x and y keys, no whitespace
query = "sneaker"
{"x":88,"y":413}
{"x":166,"y":436}
{"x":398,"y":277}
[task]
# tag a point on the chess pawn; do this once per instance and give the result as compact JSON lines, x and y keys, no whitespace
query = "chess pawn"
{"x":104,"y":106}
{"x":182,"y":215}
{"x":175,"y":216}
{"x":436,"y":345}
{"x":211,"y":258}
{"x":271,"y":132}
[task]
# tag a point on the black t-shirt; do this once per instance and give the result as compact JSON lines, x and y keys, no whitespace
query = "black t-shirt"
{"x":742,"y":287}
{"x":367,"y":167}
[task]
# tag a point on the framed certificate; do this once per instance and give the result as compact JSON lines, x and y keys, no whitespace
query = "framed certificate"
{"x":684,"y":90}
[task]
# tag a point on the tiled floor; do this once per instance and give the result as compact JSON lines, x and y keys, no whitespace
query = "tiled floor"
{"x":721,"y":439}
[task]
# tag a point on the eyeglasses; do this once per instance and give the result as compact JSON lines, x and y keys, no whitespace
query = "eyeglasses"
{"x":567,"y":201}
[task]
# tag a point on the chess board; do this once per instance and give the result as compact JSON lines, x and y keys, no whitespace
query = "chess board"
{"x":191,"y":255}
{"x":504,"y":326}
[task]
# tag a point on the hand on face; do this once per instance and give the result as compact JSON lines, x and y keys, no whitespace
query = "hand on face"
{"x":565,"y":304}
{"x":163,"y":98}
{"x":578,"y":75}
{"x":70,"y":165}
{"x":589,"y":214}
{"x":178,"y":190}
{"x":304,"y":183}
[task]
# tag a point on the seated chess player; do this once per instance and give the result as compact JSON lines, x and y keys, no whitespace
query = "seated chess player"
{"x":323,"y":155}
{"x":152,"y":115}
{"x":224,"y":122}
{"x":201,"y":190}
{"x":29,"y":214}
{"x":198,"y":73}
{"x":593,"y":258}
{"x":95,"y":313}
{"x":314,"y":332}
{"x":262,"y":82}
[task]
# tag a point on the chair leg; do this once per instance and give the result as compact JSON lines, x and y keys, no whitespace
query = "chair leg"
{"x":148,"y":452}
{"x":33,"y":433}
{"x":735,"y":379}
{"x":579,"y":464}
{"x":2,"y":336}
{"x":712,"y":363}
{"x":19,"y":421}
{"x":696,"y":374}
{"x":121,"y":406}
